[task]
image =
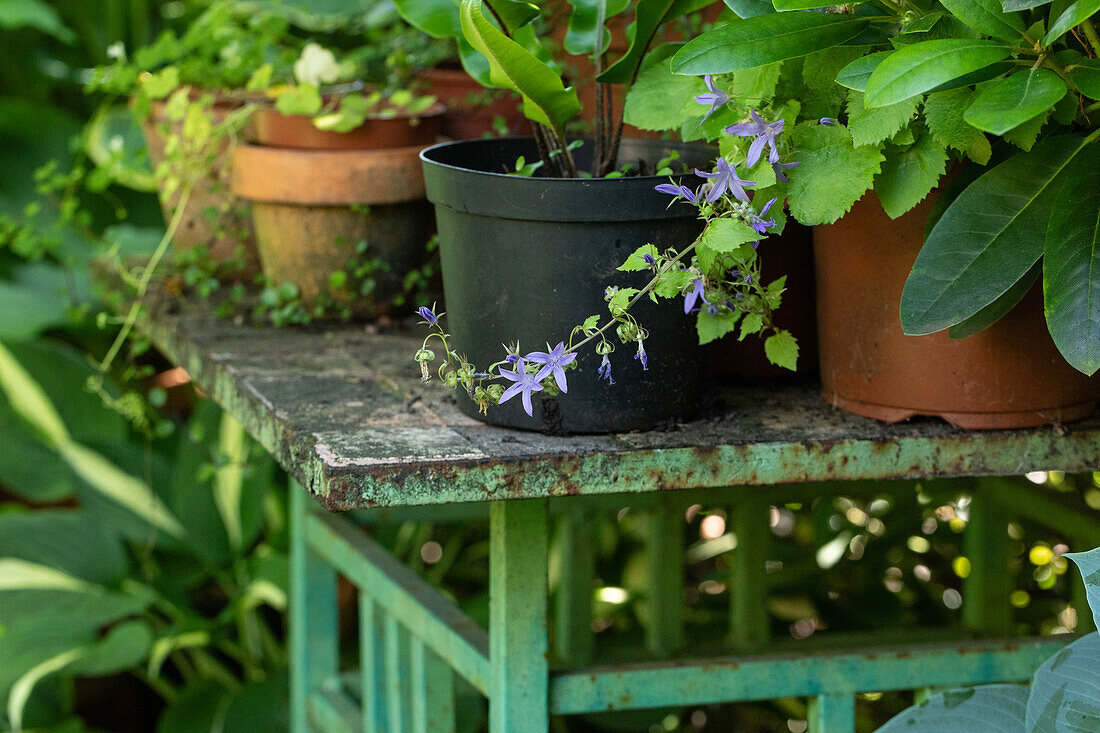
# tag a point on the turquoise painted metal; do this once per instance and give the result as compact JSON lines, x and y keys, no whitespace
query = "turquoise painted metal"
{"x":344,"y":414}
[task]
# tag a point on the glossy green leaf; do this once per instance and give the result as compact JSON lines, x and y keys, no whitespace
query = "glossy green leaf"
{"x":29,"y":400}
{"x":1012,"y":6}
{"x":1069,"y":18}
{"x":35,"y":14}
{"x":65,"y":539}
{"x":23,"y":687}
{"x":924,"y":23}
{"x":1071,"y":264}
{"x":977,"y":77}
{"x":765,"y":39}
{"x":648,"y":17}
{"x":981,"y":709}
{"x":750,"y":8}
{"x":788,"y":5}
{"x":999,"y":308}
{"x":545,"y":98}
{"x":586,"y":18}
{"x":1089,"y":565}
{"x":989,"y":237}
{"x":1063,"y":690}
{"x":1086,"y":75}
{"x":125,"y":646}
{"x":514,"y":13}
{"x":987,"y":17}
{"x":855,"y":75}
{"x":1012,"y":101}
{"x":437,"y":18}
{"x":908,"y":176}
{"x":921,"y":67}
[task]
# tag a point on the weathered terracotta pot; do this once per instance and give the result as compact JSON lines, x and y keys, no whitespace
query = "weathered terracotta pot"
{"x":275,"y":129}
{"x":789,"y":254}
{"x":468,"y":117}
{"x":212,"y":217}
{"x":311,"y":209}
{"x":1008,"y":376}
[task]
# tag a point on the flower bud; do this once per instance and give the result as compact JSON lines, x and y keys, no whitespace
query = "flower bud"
{"x":627,"y":332}
{"x":424,"y":355}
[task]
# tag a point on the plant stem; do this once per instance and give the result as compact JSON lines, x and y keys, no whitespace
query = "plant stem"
{"x":1090,"y":33}
{"x":160,"y":686}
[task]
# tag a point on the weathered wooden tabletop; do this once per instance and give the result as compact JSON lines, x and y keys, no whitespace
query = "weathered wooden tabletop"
{"x":344,"y":412}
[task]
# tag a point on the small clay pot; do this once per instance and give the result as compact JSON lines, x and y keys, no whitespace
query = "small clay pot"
{"x":1008,"y":376}
{"x":311,"y":209}
{"x":467,"y":117}
{"x":275,"y":129}
{"x":212,"y":216}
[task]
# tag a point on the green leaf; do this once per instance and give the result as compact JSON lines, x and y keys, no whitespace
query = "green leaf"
{"x":833,"y":174}
{"x":788,"y":5}
{"x":921,"y":67}
{"x":713,"y":327}
{"x":514,"y":13}
{"x":161,"y":83}
{"x":64,"y":539}
{"x":648,"y":16}
{"x":1070,"y":17}
{"x":16,"y":574}
{"x":1086,"y":75}
{"x":907,"y":177}
{"x":636,"y":260}
{"x":29,"y":310}
{"x":987,"y":17}
{"x":590,"y":323}
{"x":999,"y":308}
{"x":743,"y":44}
{"x":437,"y":18}
{"x":1024,"y":136}
{"x":1012,"y":6}
{"x":587,"y":16}
{"x":871,"y":126}
{"x":672,"y":283}
{"x":1063,"y":690}
{"x":943,"y":113}
{"x":651,"y":100}
{"x":855,"y":75}
{"x":24,"y":686}
{"x":981,"y":709}
{"x":545,"y":98}
{"x":726,"y":235}
{"x":1071,"y":264}
{"x":781,"y":348}
{"x":29,"y":400}
{"x":34,"y":14}
{"x":977,"y":77}
{"x":924,"y":23}
{"x":750,"y":325}
{"x":750,"y":8}
{"x":125,"y":646}
{"x":1010,"y":102}
{"x":756,"y":85}
{"x":988,"y":238}
{"x":1089,"y":565}
{"x":304,"y":99}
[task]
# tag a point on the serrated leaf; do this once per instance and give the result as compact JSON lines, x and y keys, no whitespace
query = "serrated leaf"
{"x":1086,"y":76}
{"x":908,"y":176}
{"x":855,"y":75}
{"x":988,"y":238}
{"x":781,"y":348}
{"x":672,"y":283}
{"x":765,"y":39}
{"x":871,"y":126}
{"x":1076,"y":12}
{"x":987,"y":17}
{"x":1024,"y":136}
{"x":750,"y":325}
{"x":1012,"y":101}
{"x":921,"y":67}
{"x":981,"y":709}
{"x":636,"y":260}
{"x":712,"y":327}
{"x":651,"y":102}
{"x":1071,"y":264}
{"x":832,"y":175}
{"x":726,"y":235}
{"x":943,"y":113}
{"x":1089,"y":565}
{"x":1063,"y":690}
{"x":999,"y":308}
{"x":753,"y":86}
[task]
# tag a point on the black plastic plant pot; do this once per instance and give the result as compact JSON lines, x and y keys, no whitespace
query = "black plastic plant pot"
{"x":529,"y":258}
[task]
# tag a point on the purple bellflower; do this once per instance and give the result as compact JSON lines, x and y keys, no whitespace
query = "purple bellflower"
{"x":780,"y":167}
{"x":427,"y":314}
{"x":696,"y":293}
{"x":524,"y":384}
{"x":642,"y":356}
{"x":715,"y":97}
{"x":604,"y":371}
{"x":725,"y":177}
{"x":649,"y":260}
{"x":552,"y":363}
{"x":828,"y":121}
{"x":764,"y":132}
{"x":757,"y":221}
{"x":682,"y":191}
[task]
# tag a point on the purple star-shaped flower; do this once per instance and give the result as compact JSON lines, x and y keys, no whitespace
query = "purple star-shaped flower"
{"x":696,"y":292}
{"x":764,"y":132}
{"x":524,"y":384}
{"x":725,"y":178}
{"x":552,"y":363}
{"x":681,"y":191}
{"x":604,"y":371}
{"x":427,"y":314}
{"x":778,"y":168}
{"x":715,"y":97}
{"x":757,"y":222}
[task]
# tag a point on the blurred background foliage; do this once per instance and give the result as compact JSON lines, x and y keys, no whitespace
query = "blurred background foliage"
{"x":143,"y":535}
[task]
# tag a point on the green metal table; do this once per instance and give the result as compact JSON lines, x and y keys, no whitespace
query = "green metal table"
{"x":344,"y":413}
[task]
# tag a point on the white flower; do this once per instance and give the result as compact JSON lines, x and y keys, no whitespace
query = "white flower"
{"x":317,"y":65}
{"x":116,"y":50}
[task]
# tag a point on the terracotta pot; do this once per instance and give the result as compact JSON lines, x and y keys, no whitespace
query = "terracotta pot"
{"x":790,"y":254}
{"x":469,"y":116}
{"x":311,"y":209}
{"x":275,"y":129}
{"x":212,"y":217}
{"x":1008,"y":376}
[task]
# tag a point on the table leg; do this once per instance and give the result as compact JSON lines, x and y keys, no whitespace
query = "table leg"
{"x":313,"y":624}
{"x":519,"y":697}
{"x":576,"y":539}
{"x":372,"y":671}
{"x":664,"y":548}
{"x":433,"y":691}
{"x":749,"y":625}
{"x":833,"y":714}
{"x":986,"y":608}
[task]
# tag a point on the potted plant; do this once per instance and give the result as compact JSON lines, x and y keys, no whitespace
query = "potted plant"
{"x":957,"y":73}
{"x":334,"y":180}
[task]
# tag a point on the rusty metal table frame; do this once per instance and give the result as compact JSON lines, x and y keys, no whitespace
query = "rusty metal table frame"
{"x":343,"y":413}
